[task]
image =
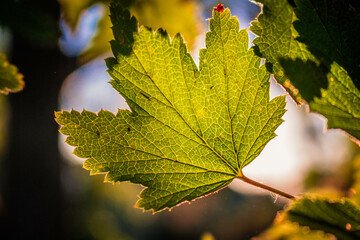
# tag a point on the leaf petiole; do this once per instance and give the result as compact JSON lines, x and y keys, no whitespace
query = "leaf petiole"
{"x":242,"y":177}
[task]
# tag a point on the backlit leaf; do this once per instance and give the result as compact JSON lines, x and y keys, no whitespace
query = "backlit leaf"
{"x":312,"y":50}
{"x":340,"y":217}
{"x":287,"y":230}
{"x":277,"y":39}
{"x":190,"y":131}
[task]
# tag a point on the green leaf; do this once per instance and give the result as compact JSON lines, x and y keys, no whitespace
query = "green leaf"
{"x":173,"y":15}
{"x":330,"y":30}
{"x":282,"y":230}
{"x":191,"y":131}
{"x":277,"y":39}
{"x":334,"y":38}
{"x":307,"y":53}
{"x":10,"y":79}
{"x":339,"y":101}
{"x":340,"y":217}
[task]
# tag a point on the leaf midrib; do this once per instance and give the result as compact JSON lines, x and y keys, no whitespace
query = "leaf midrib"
{"x":227,"y":90}
{"x":180,"y":115}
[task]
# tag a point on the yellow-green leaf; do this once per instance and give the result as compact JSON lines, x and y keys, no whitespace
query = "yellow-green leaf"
{"x":191,"y":130}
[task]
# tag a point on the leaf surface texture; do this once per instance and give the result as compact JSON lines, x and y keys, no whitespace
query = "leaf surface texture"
{"x":190,"y":130}
{"x":311,"y":48}
{"x":340,"y":217}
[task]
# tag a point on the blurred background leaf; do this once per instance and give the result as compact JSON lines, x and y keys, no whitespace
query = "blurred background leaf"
{"x":330,"y":30}
{"x":10,"y":79}
{"x":311,"y":47}
{"x":72,"y":9}
{"x":173,"y":15}
{"x":321,"y":215}
{"x":286,"y":230}
{"x":338,"y":216}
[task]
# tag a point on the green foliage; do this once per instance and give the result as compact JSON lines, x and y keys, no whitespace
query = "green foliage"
{"x":310,"y":48}
{"x":334,"y":32}
{"x":340,"y":217}
{"x":277,"y":39}
{"x":10,"y":79}
{"x":325,"y":214}
{"x":320,"y":62}
{"x":176,"y":16}
{"x":286,"y":230}
{"x":339,"y":102}
{"x":191,"y":131}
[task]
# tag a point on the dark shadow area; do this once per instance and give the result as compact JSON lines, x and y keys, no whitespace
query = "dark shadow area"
{"x":269,"y":66}
{"x":124,"y":27}
{"x":32,"y":203}
{"x":257,"y":51}
{"x":306,"y":76}
{"x":29,"y":21}
{"x":163,"y":33}
{"x":330,"y":29}
{"x":292,"y":3}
